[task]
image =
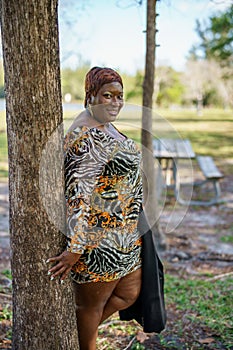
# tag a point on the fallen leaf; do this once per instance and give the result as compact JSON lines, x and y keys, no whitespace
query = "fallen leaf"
{"x":206,"y":340}
{"x":141,"y":337}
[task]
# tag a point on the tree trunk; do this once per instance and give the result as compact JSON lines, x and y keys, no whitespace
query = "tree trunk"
{"x":150,"y":176}
{"x":199,"y":104}
{"x":43,"y":310}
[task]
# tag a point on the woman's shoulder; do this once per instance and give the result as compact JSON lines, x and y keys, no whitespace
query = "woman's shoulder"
{"x":76,"y":136}
{"x":80,"y":122}
{"x":78,"y":128}
{"x":81,"y":132}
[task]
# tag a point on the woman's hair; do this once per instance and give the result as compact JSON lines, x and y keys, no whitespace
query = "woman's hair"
{"x":97,"y":77}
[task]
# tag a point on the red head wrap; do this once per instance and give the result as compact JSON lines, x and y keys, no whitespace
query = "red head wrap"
{"x":97,"y":77}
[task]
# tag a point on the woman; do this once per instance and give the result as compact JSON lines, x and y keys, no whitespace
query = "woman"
{"x":103,"y":190}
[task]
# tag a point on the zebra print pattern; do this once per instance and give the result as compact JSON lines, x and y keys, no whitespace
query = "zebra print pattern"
{"x":103,"y":190}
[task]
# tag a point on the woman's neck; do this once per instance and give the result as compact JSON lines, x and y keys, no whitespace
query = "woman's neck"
{"x":96,"y":121}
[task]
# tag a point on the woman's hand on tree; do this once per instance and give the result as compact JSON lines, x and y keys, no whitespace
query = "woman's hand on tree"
{"x":64,"y":263}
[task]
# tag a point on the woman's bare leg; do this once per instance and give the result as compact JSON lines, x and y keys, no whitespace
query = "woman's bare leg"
{"x":125,"y":294}
{"x":95,"y":302}
{"x":91,"y":299}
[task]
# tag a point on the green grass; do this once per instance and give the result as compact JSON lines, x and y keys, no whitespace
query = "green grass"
{"x":210,"y":134}
{"x":206,"y":303}
{"x":6,"y":313}
{"x":227,"y":239}
{"x":137,"y":346}
{"x":7,"y":273}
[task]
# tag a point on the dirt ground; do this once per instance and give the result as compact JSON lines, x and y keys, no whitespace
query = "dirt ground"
{"x":197,"y":247}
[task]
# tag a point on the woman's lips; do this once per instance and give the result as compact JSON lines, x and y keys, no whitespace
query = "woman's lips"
{"x":113,"y":112}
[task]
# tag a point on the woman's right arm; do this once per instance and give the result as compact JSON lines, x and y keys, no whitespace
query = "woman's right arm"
{"x":81,"y":169}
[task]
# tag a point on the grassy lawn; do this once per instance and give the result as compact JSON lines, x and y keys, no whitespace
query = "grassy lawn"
{"x":210,"y":134}
{"x":196,"y":305}
{"x":204,"y":303}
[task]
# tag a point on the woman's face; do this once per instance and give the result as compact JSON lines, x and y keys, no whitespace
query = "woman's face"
{"x":108,"y":102}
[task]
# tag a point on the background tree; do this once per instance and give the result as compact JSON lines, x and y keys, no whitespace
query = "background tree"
{"x":169,"y":88}
{"x":216,"y":38}
{"x":43,"y":311}
{"x":72,"y":81}
{"x":204,"y":85}
{"x":149,"y":183}
{"x":216,"y":44}
{"x":133,"y":86}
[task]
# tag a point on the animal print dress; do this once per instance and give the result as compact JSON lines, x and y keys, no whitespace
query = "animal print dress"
{"x":103,"y":190}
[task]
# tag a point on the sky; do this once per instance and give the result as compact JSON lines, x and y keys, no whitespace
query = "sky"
{"x":111,"y":32}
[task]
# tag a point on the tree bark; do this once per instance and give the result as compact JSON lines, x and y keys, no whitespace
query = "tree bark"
{"x":150,"y":176}
{"x":43,"y":310}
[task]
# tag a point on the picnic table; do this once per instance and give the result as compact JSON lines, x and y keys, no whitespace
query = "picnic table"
{"x":168,"y":152}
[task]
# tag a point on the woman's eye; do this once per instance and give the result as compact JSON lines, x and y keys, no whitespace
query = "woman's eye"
{"x":107,"y":95}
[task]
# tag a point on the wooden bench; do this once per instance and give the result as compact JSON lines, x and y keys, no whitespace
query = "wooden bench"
{"x":212,"y":175}
{"x":208,"y":168}
{"x":169,"y":151}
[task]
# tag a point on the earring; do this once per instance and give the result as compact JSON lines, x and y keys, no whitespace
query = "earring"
{"x":88,"y":108}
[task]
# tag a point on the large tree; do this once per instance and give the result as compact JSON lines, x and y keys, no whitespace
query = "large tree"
{"x":43,"y":311}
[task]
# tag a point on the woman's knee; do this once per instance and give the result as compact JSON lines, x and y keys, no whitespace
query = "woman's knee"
{"x":92,"y":314}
